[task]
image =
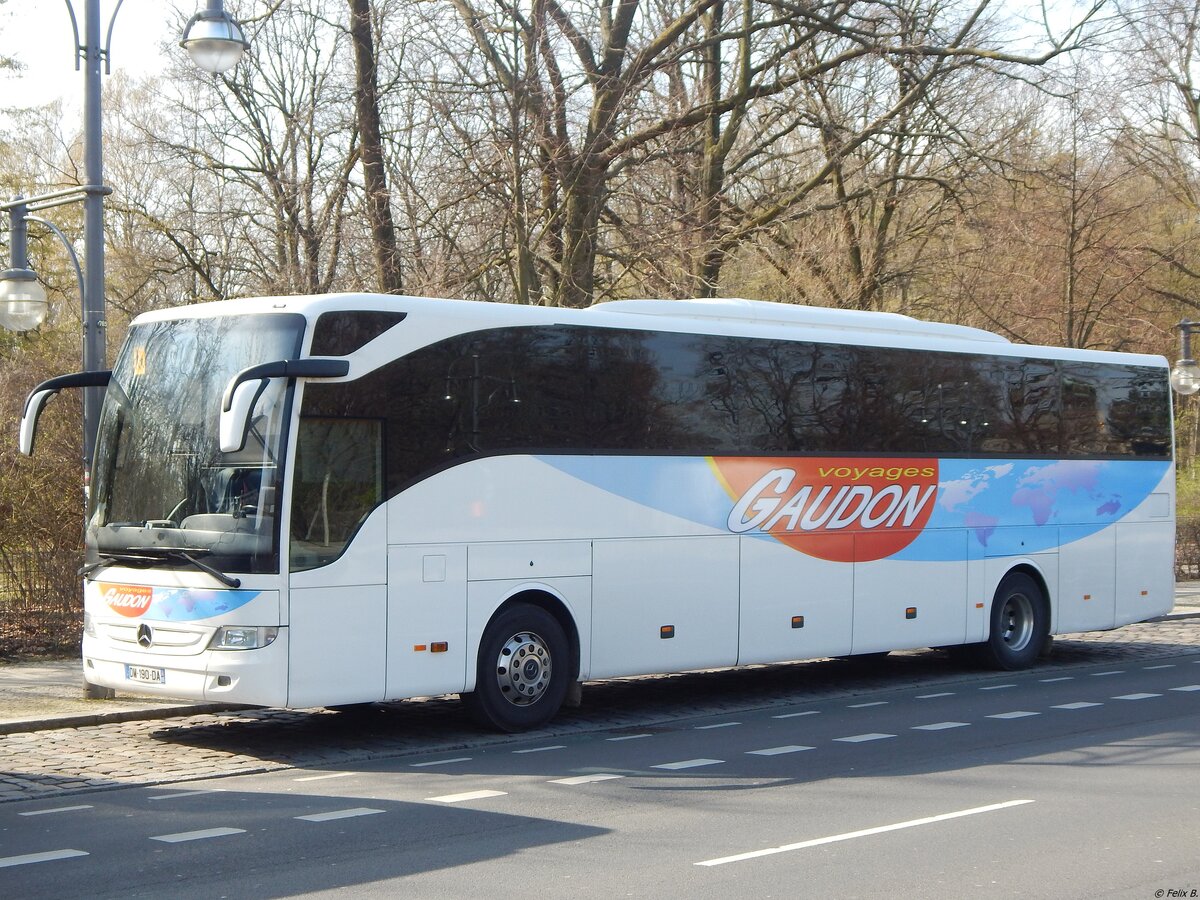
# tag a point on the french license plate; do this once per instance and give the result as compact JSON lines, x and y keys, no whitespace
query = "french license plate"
{"x":146,"y":674}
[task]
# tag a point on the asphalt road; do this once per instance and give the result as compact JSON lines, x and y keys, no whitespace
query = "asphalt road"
{"x":1080,"y":782}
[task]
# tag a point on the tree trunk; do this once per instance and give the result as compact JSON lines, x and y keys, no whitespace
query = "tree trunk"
{"x":366,"y":97}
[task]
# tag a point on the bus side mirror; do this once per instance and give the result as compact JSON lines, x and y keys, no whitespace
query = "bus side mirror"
{"x":244,"y":389}
{"x":40,"y":396}
{"x":235,"y":421}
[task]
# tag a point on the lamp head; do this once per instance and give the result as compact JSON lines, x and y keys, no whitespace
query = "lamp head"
{"x":1185,"y":377}
{"x":214,"y":39}
{"x":22,"y":300}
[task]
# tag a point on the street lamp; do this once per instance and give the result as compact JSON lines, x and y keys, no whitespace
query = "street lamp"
{"x":215,"y":41}
{"x":1185,"y":374}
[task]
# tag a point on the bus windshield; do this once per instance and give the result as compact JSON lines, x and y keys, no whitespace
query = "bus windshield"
{"x":163,"y":493}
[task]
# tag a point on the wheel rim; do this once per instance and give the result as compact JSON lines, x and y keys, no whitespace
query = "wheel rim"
{"x":523,"y":669}
{"x":1016,"y":622}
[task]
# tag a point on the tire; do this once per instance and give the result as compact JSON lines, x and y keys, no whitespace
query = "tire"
{"x":518,"y":697}
{"x":1020,"y":624}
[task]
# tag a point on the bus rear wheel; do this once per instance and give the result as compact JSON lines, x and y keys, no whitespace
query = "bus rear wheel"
{"x":1020,"y":624}
{"x":522,"y":678}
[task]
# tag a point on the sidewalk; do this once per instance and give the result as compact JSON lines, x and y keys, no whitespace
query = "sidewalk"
{"x":49,"y":693}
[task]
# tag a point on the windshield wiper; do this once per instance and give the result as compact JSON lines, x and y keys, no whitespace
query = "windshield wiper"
{"x":112,"y":557}
{"x":145,"y":560}
{"x":227,"y":580}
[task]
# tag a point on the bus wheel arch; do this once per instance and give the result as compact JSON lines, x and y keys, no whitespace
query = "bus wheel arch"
{"x":535,"y":628}
{"x":1019,"y":621}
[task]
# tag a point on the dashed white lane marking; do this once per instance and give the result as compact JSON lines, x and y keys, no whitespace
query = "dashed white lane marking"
{"x":1080,"y":705}
{"x":462,"y":798}
{"x":179,"y":794}
{"x":1059,"y":678}
{"x":586,"y":779}
{"x":865,"y":705}
{"x":861,"y":738}
{"x":629,"y":737}
{"x":1113,"y":672}
{"x":866,"y":832}
{"x":718,"y":725}
{"x":807,"y":712}
{"x":542,"y":749}
{"x":1188,"y":687}
{"x":997,"y":687}
{"x":935,"y":696}
{"x":439,"y":762}
{"x":340,"y":814}
{"x":940,"y":726}
{"x":324,"y":777}
{"x":1164,"y":666}
{"x":776,"y":751}
{"x":49,"y":856}
{"x":1015,"y":714}
{"x":1136,"y":696}
{"x":57,"y":809}
{"x":688,"y":764}
{"x":204,"y":834}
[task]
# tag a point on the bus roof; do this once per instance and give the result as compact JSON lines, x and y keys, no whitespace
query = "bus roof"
{"x":765,"y":312}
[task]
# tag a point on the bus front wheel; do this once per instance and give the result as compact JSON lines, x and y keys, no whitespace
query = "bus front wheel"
{"x":522,"y":678}
{"x":1020,"y":624}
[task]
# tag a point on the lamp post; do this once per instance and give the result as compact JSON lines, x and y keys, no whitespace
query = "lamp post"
{"x":1185,"y":374}
{"x":216,"y":43}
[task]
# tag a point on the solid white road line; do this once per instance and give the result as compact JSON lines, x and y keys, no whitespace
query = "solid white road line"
{"x":586,"y":779}
{"x":184,"y":836}
{"x":439,"y":762}
{"x":542,"y":749}
{"x":1136,"y":696}
{"x":462,"y":798}
{"x":1015,"y":714}
{"x":324,"y":777}
{"x":57,"y":809}
{"x":339,"y":814}
{"x":776,"y":751}
{"x":1080,"y":705}
{"x":866,"y":832}
{"x":49,"y":856}
{"x":940,"y":726}
{"x":688,"y":764}
{"x":862,"y":738}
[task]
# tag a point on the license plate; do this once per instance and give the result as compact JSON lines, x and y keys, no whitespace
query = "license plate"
{"x":145,"y":674}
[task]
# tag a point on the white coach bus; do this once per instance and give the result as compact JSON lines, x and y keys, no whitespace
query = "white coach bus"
{"x":340,"y":499}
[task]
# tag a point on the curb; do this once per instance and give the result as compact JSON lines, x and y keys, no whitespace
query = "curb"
{"x":128,"y":715}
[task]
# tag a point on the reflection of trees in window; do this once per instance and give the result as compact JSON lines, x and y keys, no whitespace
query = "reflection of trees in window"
{"x":338,"y":480}
{"x":562,"y":389}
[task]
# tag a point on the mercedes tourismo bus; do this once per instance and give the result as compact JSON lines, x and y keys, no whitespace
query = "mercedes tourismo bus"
{"x":340,"y":499}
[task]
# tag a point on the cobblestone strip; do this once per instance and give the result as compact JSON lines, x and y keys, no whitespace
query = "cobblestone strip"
{"x":76,"y":760}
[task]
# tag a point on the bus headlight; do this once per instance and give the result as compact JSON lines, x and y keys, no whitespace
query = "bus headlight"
{"x":237,"y":638}
{"x":89,"y":627}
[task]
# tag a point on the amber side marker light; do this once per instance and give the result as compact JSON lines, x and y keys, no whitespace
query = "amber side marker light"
{"x":439,"y":647}
{"x":910,"y":613}
{"x":797,"y":621}
{"x":667,"y":631}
